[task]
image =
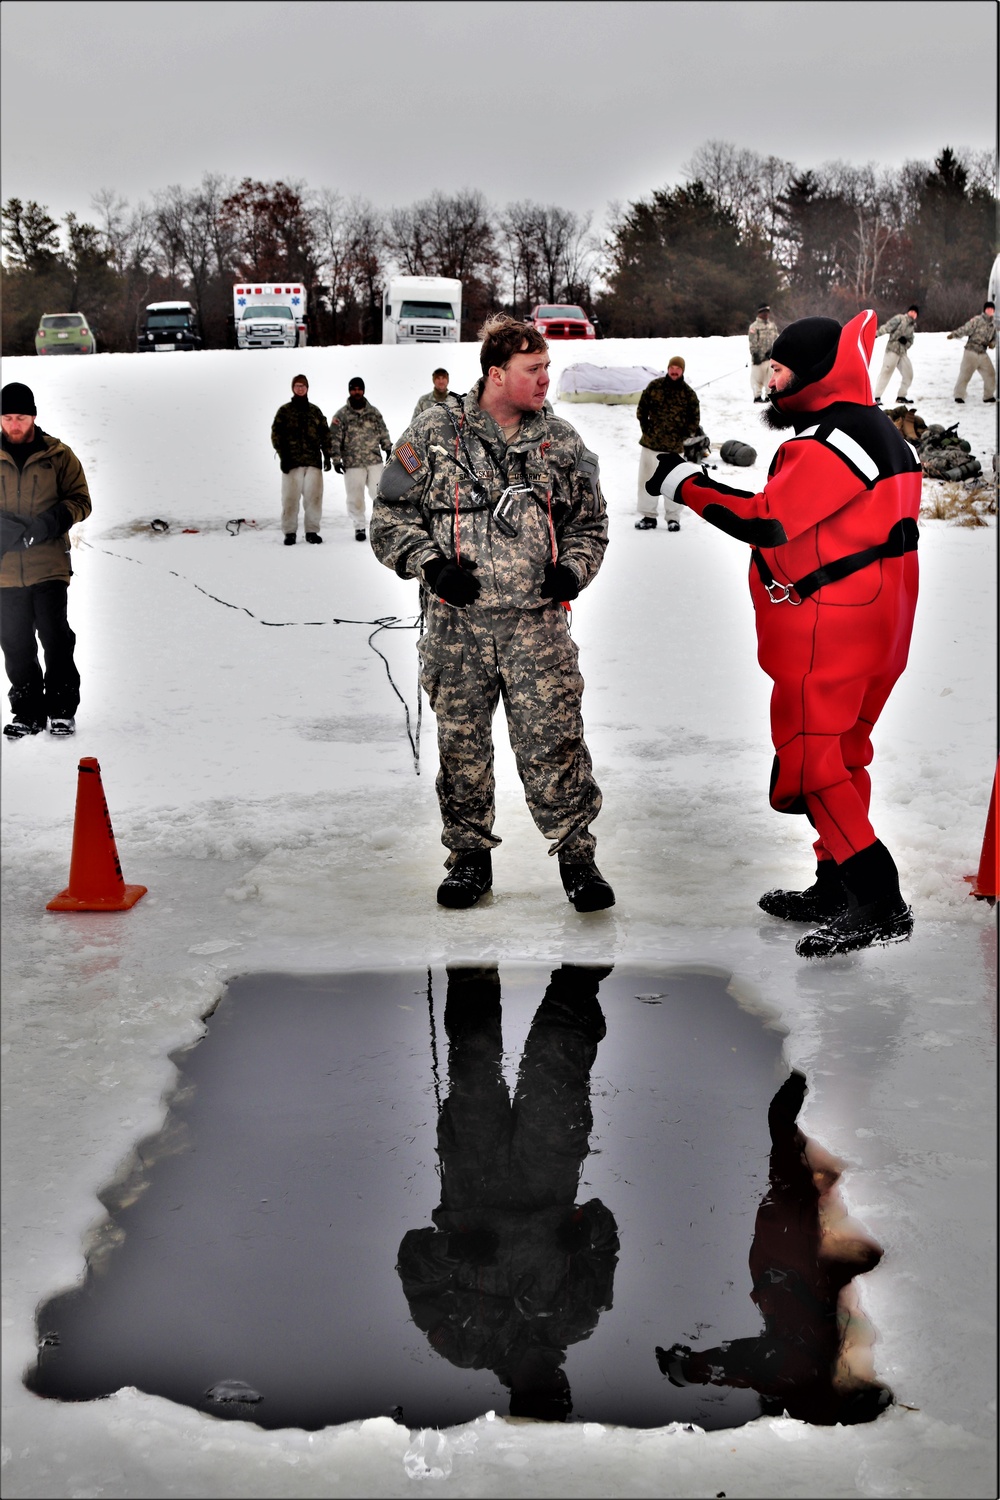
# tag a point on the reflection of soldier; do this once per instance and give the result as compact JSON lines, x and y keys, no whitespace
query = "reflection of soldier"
{"x":812,"y":1359}
{"x":497,"y":509}
{"x":515,"y":1271}
{"x":763,"y":332}
{"x":982,"y":335}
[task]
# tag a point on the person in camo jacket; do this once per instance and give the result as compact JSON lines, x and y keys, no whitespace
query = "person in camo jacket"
{"x":438,"y":394}
{"x":902,"y":330}
{"x":300,"y":435}
{"x":762,"y":334}
{"x":497,"y":510}
{"x":668,"y":412}
{"x":982,"y":335}
{"x":360,"y":437}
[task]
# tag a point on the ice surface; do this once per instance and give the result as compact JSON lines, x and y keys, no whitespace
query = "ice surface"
{"x":261,"y":784}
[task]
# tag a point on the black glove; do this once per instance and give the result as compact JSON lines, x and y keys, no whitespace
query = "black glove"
{"x":452,"y":581}
{"x":11,"y":532}
{"x":665,"y":464}
{"x":560,"y":583}
{"x":327,"y":465}
{"x":338,"y":467}
{"x":51,"y":523}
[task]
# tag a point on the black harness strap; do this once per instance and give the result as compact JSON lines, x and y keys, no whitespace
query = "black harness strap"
{"x":902,"y":538}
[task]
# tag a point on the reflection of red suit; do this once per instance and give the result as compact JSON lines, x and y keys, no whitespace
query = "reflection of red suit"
{"x":836,"y":487}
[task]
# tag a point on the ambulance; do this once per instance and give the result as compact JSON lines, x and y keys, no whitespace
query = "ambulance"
{"x":270,"y":315}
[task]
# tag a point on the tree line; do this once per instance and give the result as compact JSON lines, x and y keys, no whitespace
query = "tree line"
{"x":693,"y":259}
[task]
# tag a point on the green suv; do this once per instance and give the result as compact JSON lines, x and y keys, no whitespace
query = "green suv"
{"x":64,"y":333}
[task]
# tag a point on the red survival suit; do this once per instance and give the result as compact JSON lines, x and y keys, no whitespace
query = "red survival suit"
{"x":846,"y":482}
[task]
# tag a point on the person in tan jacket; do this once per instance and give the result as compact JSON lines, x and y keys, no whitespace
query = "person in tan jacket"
{"x":43,"y":493}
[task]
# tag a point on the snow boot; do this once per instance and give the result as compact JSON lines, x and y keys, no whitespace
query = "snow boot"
{"x":359,"y":535}
{"x":673,"y":525}
{"x":876,"y":916}
{"x":585,"y":886}
{"x":314,"y":537}
{"x":289,"y":538}
{"x":826,"y":897}
{"x":470,"y":877}
{"x":648,"y":523}
{"x":62,"y":728}
{"x":19,"y":729}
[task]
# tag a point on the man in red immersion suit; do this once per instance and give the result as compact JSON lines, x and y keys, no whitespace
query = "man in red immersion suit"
{"x":833,"y":577}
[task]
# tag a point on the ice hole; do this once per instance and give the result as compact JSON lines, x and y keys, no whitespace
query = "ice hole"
{"x":569,"y":1193}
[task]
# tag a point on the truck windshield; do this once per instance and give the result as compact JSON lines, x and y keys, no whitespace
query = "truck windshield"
{"x":267,"y":310}
{"x":426,"y":310}
{"x":563,"y":311}
{"x":167,"y":320}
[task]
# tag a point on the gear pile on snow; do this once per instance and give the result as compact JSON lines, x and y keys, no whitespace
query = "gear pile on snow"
{"x":944,"y":455}
{"x":697,"y":447}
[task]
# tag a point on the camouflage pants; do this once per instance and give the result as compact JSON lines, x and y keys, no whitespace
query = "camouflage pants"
{"x":470,"y":659}
{"x":971,"y":364}
{"x":891,"y":361}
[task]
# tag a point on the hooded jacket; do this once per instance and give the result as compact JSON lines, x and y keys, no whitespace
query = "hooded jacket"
{"x":834,"y":488}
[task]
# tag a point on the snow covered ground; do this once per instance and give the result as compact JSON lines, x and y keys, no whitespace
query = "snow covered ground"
{"x":261,"y":784}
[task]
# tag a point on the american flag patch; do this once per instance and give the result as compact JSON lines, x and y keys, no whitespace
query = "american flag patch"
{"x":408,"y":458}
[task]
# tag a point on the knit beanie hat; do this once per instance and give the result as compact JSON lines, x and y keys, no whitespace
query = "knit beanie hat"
{"x":808,"y":347}
{"x":913,"y":308}
{"x":18,"y":401}
{"x":355,"y":383}
{"x":765,"y":307}
{"x":299,"y":380}
{"x":676,"y":359}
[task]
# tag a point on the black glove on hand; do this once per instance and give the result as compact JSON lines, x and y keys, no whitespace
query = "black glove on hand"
{"x":327,"y":465}
{"x":452,"y":581}
{"x":560,"y":583}
{"x":665,"y":464}
{"x":51,"y":523}
{"x":11,"y":532}
{"x":338,"y":467}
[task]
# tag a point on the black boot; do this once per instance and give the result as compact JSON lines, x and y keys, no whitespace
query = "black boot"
{"x":470,"y":877}
{"x":877,"y":914}
{"x":585,"y":886}
{"x":648,"y":523}
{"x":826,"y":897}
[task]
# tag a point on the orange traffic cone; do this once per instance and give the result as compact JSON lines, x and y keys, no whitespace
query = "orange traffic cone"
{"x":984,"y":884}
{"x":95,"y":875}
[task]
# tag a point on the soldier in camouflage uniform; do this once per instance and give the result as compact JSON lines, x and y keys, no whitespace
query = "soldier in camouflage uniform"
{"x":497,"y":509}
{"x":902,"y":330}
{"x":301,"y":438}
{"x":982,"y":335}
{"x":437,"y":396}
{"x":360,"y":437}
{"x":763,"y":332}
{"x":668,"y":412}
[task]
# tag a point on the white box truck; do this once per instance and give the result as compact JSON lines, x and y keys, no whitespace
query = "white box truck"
{"x":421,"y":310}
{"x":270,"y":315}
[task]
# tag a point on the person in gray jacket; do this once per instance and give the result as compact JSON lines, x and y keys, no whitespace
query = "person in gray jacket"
{"x":902,"y":331}
{"x":982,"y":335}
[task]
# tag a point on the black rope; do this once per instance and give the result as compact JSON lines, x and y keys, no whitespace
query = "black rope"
{"x":384,"y":622}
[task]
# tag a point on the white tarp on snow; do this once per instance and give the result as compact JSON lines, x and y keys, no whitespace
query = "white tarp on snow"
{"x":607,"y":383}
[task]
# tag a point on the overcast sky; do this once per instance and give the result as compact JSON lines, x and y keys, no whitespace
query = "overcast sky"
{"x":572,"y":103}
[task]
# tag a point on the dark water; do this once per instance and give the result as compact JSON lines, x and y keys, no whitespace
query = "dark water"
{"x":430,"y":1195}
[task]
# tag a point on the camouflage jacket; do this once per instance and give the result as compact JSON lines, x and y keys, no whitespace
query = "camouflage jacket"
{"x":52,"y":476}
{"x":433,"y":399}
{"x":300,"y":436}
{"x":982,"y":333}
{"x":901,"y":330}
{"x":359,"y":436}
{"x":762,"y":335}
{"x":668,"y":412}
{"x":446,"y":477}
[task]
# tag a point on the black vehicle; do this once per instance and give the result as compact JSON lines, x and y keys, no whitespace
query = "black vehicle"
{"x":168,"y":326}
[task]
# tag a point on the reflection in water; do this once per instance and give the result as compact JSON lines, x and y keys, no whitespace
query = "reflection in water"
{"x":515,"y":1271}
{"x":813,"y":1359}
